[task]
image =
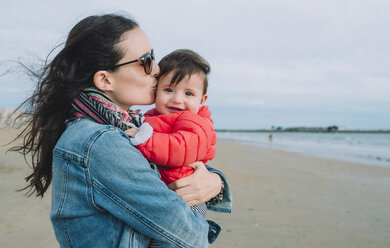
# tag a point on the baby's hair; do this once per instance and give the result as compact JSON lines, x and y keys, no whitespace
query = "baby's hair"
{"x":182,"y":63}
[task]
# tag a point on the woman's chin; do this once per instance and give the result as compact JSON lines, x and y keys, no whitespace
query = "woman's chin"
{"x":149,"y":101}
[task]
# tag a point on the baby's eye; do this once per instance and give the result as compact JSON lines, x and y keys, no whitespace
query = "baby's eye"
{"x":189,"y":93}
{"x":168,"y":90}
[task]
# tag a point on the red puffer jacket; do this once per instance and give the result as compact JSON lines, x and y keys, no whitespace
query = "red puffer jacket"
{"x":179,"y":139}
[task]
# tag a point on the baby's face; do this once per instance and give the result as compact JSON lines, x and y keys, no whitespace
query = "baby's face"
{"x":187,"y":95}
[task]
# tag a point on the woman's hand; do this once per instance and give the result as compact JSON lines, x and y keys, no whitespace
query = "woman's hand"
{"x":198,"y":187}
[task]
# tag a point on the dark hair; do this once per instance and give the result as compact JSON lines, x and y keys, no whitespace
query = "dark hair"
{"x":182,"y":63}
{"x":92,"y":45}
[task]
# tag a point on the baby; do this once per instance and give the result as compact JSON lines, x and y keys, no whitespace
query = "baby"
{"x":183,"y":131}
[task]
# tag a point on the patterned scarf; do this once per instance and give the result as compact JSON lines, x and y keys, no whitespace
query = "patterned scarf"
{"x":92,"y":103}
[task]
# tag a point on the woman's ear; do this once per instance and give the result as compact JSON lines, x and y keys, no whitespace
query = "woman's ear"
{"x":102,"y":81}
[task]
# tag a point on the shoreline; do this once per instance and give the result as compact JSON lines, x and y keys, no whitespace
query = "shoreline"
{"x":367,"y":148}
{"x":347,"y":159}
{"x":301,"y":131}
{"x":280,"y":199}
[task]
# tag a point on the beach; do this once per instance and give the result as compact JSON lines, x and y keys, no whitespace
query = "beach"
{"x":281,"y":199}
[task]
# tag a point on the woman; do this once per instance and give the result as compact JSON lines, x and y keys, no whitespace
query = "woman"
{"x":104,"y":192}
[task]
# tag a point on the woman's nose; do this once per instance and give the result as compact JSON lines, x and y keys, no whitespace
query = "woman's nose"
{"x":155,"y":70}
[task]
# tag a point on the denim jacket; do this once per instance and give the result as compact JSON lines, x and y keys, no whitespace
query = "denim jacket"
{"x":105,"y":194}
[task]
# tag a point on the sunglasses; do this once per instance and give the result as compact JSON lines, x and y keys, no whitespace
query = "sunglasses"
{"x":146,"y":60}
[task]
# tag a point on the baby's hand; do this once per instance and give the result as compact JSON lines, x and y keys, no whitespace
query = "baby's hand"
{"x":141,"y":135}
{"x":132,"y":131}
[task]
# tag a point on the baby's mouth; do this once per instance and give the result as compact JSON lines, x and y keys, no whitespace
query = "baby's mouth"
{"x":174,"y":109}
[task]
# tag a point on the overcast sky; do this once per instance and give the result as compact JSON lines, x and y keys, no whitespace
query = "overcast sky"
{"x":273,"y":63}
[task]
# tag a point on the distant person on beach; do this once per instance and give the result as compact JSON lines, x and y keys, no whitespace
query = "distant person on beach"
{"x":104,"y":192}
{"x":182,"y":129}
{"x":270,"y":140}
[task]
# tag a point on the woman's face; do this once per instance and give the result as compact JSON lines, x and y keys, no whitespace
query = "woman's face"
{"x":130,"y":85}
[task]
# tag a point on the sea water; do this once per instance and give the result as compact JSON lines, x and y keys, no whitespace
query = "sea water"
{"x":367,"y":148}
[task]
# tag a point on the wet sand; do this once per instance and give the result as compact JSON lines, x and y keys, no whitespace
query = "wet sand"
{"x":281,"y":199}
{"x":284,"y":199}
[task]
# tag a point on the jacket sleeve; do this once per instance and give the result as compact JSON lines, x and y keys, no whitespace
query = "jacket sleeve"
{"x":123,"y":184}
{"x":226,"y":205}
{"x":179,"y":140}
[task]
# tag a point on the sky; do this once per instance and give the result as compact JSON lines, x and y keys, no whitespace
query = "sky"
{"x":273,"y":63}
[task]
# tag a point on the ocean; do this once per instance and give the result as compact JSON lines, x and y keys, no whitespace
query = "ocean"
{"x":366,"y":148}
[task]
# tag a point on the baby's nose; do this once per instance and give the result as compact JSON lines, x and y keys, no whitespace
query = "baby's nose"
{"x":178,"y":98}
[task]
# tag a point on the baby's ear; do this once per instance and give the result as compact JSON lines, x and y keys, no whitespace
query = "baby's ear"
{"x":203,"y":100}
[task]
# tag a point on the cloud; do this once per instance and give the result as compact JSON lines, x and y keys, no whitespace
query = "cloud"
{"x":8,"y":90}
{"x":299,"y":84}
{"x":294,"y":57}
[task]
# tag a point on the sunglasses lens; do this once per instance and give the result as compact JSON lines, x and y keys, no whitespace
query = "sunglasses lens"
{"x":148,"y":64}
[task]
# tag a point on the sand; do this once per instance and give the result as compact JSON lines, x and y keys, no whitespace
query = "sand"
{"x":281,"y":199}
{"x":24,"y":222}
